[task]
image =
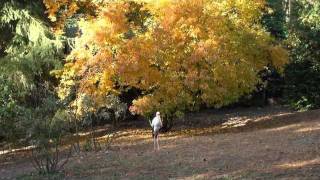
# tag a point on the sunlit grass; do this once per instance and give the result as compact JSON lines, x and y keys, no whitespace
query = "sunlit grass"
{"x":299,"y":164}
{"x":309,"y":129}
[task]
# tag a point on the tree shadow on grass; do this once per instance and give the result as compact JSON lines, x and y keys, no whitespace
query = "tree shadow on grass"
{"x":236,"y":124}
{"x":212,"y":151}
{"x":263,"y":154}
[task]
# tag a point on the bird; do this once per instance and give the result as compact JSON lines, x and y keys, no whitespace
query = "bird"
{"x":156,"y":124}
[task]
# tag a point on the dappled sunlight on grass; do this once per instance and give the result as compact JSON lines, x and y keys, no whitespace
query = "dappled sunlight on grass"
{"x":232,"y":122}
{"x":272,"y":122}
{"x":241,"y":147}
{"x":282,"y":128}
{"x":3,"y":152}
{"x":168,"y":146}
{"x":282,"y":114}
{"x":236,"y":122}
{"x":211,"y":174}
{"x":309,"y":129}
{"x":107,"y":136}
{"x":197,"y":131}
{"x":299,"y":164}
{"x":194,"y":177}
{"x":87,"y":133}
{"x":270,"y":116}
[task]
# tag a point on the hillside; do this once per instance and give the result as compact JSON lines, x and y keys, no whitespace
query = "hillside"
{"x":252,"y":143}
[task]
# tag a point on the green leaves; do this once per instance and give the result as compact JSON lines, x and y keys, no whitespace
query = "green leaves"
{"x":310,"y":13}
{"x":28,"y":52}
{"x":302,"y":80}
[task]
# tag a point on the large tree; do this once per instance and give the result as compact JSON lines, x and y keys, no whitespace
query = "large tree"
{"x":28,"y":52}
{"x":304,"y":45}
{"x":180,"y":54}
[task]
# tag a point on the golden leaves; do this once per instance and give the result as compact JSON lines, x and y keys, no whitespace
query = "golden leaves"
{"x":59,"y":10}
{"x":192,"y":52}
{"x":279,"y":57}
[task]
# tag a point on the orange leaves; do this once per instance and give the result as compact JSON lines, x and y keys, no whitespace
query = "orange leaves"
{"x":189,"y":53}
{"x":59,"y":10}
{"x":144,"y":105}
{"x":116,"y":15}
{"x":55,"y":6}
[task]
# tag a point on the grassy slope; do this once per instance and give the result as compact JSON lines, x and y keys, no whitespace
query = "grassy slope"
{"x":268,"y":143}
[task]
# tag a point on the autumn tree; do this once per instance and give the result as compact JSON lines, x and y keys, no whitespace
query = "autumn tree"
{"x":59,"y":11}
{"x":181,"y":54}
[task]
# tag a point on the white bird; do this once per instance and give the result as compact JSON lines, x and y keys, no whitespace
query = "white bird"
{"x":156,"y":125}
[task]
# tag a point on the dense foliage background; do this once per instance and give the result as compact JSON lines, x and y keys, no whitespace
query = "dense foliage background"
{"x":28,"y":52}
{"x":77,"y":63}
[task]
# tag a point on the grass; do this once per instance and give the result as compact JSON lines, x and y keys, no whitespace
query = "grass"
{"x":37,"y":176}
{"x":267,"y":146}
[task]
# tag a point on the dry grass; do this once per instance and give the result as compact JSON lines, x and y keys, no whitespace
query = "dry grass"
{"x":272,"y":143}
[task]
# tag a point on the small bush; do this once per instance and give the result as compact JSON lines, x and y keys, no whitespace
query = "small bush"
{"x":46,"y":133}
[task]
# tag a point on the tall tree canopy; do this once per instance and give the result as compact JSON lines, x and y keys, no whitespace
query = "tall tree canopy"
{"x":181,"y":54}
{"x":304,"y":45}
{"x":28,"y":52}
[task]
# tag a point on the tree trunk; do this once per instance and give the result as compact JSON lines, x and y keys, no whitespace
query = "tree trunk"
{"x":288,"y":9}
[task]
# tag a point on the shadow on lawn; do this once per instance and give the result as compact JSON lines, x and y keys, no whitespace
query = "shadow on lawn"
{"x":269,"y":154}
{"x":236,"y":124}
{"x":282,"y":149}
{"x":193,"y":153}
{"x":308,"y":170}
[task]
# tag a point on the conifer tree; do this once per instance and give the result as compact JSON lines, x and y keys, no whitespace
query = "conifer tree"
{"x":28,"y":52}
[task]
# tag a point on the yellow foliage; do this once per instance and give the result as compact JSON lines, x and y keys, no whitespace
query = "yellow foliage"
{"x":279,"y":56}
{"x":192,"y":52}
{"x":59,"y":10}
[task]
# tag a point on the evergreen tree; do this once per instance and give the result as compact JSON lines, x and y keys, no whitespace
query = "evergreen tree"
{"x":28,"y":52}
{"x":302,"y":82}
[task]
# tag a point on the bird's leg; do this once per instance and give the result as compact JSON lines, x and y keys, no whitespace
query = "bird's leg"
{"x":158,"y":143}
